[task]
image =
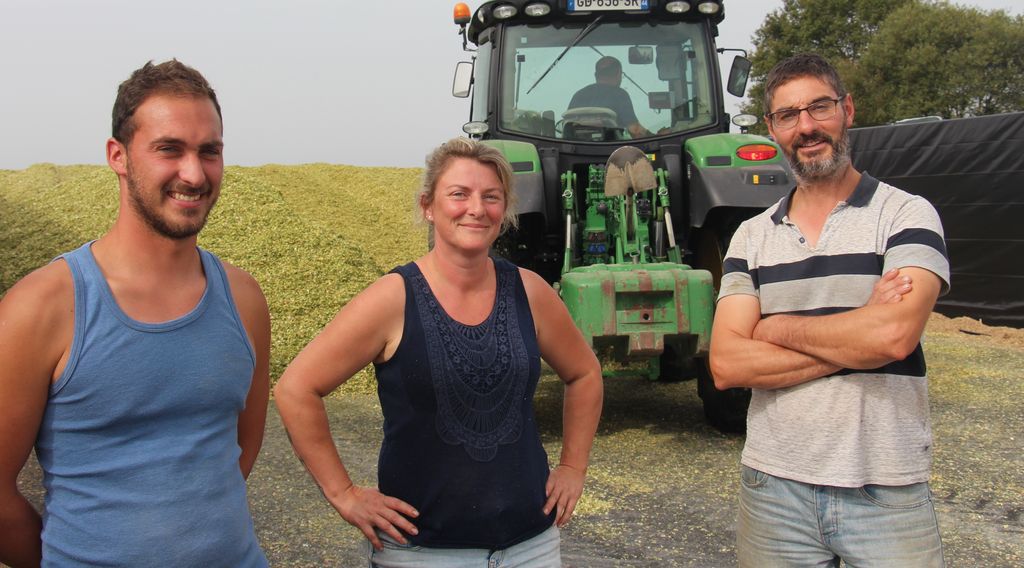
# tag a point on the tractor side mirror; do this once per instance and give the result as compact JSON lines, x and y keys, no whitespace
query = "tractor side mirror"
{"x":463,"y":79}
{"x":738,"y":75}
{"x":641,"y":55}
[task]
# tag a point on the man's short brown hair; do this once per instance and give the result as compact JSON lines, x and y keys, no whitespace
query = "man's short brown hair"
{"x":801,"y":65}
{"x":168,"y":78}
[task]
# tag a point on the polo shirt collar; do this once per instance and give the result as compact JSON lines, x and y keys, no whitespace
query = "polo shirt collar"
{"x":783,"y":209}
{"x":864,"y":191}
{"x":860,"y":197}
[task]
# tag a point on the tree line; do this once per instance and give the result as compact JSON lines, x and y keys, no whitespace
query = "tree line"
{"x":900,"y":58}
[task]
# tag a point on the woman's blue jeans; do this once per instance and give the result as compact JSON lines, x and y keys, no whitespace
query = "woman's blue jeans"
{"x":541,"y":551}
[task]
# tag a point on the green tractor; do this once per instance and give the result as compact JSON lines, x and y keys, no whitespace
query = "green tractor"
{"x":625,"y":207}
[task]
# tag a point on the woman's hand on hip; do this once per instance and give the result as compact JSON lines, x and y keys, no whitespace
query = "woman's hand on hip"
{"x":368,"y":509}
{"x":564,"y":488}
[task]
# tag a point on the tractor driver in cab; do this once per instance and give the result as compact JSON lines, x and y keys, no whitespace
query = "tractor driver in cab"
{"x":605,"y":92}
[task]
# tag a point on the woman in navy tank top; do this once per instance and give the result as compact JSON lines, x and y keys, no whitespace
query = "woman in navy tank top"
{"x":456,"y":338}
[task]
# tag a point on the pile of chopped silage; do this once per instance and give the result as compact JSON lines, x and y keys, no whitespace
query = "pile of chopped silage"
{"x":312,"y":235}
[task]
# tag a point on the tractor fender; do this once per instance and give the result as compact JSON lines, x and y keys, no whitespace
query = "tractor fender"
{"x":527,"y":177}
{"x":718,"y":177}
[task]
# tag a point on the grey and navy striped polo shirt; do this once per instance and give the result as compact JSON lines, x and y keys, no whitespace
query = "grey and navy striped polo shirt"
{"x":855,"y":427}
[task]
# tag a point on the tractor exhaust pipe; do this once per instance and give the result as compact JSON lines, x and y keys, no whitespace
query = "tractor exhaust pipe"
{"x":671,"y":231}
{"x":659,"y":239}
{"x":569,"y":230}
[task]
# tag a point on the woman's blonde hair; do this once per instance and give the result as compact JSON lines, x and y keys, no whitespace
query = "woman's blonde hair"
{"x":438,"y":161}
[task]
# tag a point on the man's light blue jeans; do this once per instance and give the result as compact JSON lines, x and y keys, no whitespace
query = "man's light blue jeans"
{"x":788,"y":523}
{"x":541,"y":551}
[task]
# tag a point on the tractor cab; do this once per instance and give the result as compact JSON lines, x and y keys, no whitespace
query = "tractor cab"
{"x":574,"y":80}
{"x":628,"y":182}
{"x":584,"y":72}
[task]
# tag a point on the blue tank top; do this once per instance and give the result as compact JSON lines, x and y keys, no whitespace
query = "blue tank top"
{"x":139,"y":440}
{"x":460,"y":439}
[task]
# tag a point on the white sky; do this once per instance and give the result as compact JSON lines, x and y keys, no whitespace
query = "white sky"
{"x":340,"y":81}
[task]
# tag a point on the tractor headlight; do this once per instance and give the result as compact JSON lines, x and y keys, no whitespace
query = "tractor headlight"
{"x":709,"y":8}
{"x":504,"y":12}
{"x":677,"y":7}
{"x":744,"y":120}
{"x":475,"y":128}
{"x":537,"y":9}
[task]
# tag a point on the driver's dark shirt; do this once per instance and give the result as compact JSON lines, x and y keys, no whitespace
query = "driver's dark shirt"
{"x":606,"y":96}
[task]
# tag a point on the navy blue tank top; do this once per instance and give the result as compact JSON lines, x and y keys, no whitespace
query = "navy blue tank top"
{"x":139,"y":440}
{"x":460,"y":439}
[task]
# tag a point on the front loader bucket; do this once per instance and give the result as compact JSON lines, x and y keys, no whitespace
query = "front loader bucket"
{"x":633,"y":308}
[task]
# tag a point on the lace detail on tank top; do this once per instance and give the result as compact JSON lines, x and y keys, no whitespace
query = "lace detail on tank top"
{"x":479,"y":372}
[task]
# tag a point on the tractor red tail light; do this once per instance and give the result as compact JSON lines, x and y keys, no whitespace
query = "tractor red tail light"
{"x":757,"y":152}
{"x":461,"y":14}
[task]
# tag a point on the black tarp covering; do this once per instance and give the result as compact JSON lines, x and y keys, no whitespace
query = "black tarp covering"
{"x":972,"y":171}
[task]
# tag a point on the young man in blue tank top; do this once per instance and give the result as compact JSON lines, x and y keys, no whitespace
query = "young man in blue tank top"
{"x":138,"y":364}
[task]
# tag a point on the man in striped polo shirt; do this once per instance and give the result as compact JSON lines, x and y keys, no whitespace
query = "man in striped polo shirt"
{"x":821,"y":311}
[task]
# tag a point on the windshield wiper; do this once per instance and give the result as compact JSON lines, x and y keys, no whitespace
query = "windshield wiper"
{"x":579,"y":37}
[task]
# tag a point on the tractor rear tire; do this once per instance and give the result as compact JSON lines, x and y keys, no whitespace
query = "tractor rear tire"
{"x":725,"y":410}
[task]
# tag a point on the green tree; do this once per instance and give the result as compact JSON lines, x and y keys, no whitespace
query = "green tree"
{"x":838,"y":30}
{"x":940,"y":59}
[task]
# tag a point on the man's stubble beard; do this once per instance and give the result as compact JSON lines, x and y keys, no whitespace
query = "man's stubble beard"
{"x":151,"y":215}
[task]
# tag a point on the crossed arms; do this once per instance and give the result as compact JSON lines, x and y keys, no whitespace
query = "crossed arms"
{"x":784,"y":350}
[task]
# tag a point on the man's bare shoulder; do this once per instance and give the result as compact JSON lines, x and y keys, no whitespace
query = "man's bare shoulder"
{"x":37,"y":318}
{"x":244,"y":286}
{"x":45,"y":294}
{"x":238,"y":276}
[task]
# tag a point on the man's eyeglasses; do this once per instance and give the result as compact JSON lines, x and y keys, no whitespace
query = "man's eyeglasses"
{"x":819,"y":110}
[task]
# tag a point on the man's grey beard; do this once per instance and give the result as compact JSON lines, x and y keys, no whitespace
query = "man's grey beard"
{"x":817,"y":171}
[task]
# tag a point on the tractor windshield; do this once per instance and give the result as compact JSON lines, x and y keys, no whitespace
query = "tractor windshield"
{"x":620,"y":81}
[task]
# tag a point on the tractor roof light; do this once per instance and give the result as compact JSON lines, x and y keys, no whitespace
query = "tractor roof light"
{"x":709,"y":8}
{"x":677,"y":7}
{"x":537,"y":9}
{"x":504,"y":11}
{"x":461,"y":14}
{"x":757,"y":152}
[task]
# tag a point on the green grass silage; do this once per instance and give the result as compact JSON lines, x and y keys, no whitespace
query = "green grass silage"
{"x":312,"y":235}
{"x":46,"y":210}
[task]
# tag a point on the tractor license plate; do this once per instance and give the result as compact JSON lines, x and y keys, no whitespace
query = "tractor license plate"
{"x":608,"y":5}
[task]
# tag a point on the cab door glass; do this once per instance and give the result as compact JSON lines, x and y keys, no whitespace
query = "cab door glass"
{"x":481,"y":84}
{"x":665,"y":82}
